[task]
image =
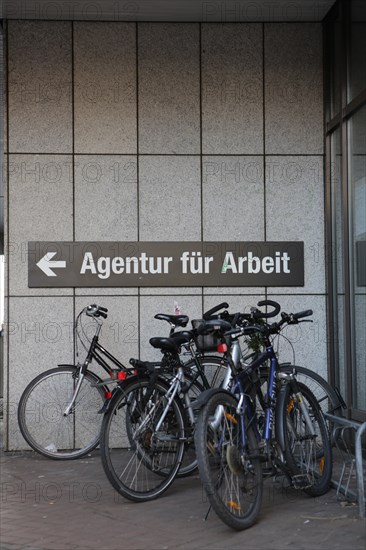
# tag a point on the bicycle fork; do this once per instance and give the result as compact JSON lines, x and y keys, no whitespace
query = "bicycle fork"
{"x":291,"y":378}
{"x":75,"y":394}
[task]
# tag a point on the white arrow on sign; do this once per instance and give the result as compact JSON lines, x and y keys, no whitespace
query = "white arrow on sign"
{"x":45,"y":264}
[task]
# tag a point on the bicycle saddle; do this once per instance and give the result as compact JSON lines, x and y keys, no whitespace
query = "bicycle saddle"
{"x":177,"y":320}
{"x":169,"y":344}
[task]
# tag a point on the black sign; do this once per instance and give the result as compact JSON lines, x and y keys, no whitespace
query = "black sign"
{"x":149,"y":264}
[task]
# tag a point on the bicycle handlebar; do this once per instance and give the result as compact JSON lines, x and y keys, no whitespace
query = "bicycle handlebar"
{"x":213,"y":310}
{"x":274,"y":328}
{"x":261,"y":315}
{"x":301,"y":314}
{"x":96,"y":311}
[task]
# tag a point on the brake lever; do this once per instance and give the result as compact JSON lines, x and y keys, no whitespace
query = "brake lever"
{"x":298,"y":321}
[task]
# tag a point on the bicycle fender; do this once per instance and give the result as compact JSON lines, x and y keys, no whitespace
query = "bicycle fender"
{"x":120,"y":388}
{"x":107,"y":402}
{"x":203,"y":398}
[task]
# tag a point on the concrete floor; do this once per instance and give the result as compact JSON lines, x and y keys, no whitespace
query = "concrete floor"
{"x":53,"y":505}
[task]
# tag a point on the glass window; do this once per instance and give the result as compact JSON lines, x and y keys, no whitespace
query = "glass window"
{"x":357,"y":201}
{"x":357,"y":59}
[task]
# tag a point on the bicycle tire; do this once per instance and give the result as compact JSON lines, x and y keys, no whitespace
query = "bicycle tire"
{"x":226,"y":470}
{"x":142,"y":469}
{"x":300,"y":447}
{"x":40,"y":414}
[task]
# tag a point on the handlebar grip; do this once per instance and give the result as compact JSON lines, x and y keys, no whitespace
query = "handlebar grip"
{"x":274,"y":313}
{"x":301,"y":314}
{"x":213,"y":310}
{"x":103,"y":309}
{"x":101,"y":314}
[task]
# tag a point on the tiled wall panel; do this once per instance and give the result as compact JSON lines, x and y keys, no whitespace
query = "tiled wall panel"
{"x":105,"y":88}
{"x":293,"y":88}
{"x":40,"y":87}
{"x":232,"y":89}
{"x":169,"y":88}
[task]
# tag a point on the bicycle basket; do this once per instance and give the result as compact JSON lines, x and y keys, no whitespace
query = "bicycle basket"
{"x":207,"y":342}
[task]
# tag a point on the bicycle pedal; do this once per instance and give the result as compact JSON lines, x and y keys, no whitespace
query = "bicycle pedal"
{"x":301,"y":481}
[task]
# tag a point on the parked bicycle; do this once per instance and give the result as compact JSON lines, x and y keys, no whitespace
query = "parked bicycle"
{"x":148,"y":427}
{"x":58,"y":410}
{"x":268,"y":424}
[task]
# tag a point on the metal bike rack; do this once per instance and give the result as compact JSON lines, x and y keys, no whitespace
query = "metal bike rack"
{"x":350,"y":462}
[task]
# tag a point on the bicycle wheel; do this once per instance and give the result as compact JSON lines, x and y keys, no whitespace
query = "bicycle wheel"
{"x":310,"y":468}
{"x":41,"y":419}
{"x":230,"y":472}
{"x":139,"y":461}
{"x":213,"y":367}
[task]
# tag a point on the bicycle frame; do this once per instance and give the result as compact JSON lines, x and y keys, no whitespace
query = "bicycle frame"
{"x":95,"y":347}
{"x":244,"y":404}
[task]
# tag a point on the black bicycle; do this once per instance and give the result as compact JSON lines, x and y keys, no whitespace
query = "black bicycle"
{"x":58,"y":412}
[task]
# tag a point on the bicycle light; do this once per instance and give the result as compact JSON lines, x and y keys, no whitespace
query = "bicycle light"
{"x":222,"y":348}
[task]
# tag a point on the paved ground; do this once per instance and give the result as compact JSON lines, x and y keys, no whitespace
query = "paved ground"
{"x":70,"y":505}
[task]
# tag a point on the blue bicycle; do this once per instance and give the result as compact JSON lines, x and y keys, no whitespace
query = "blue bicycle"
{"x":268,"y":424}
